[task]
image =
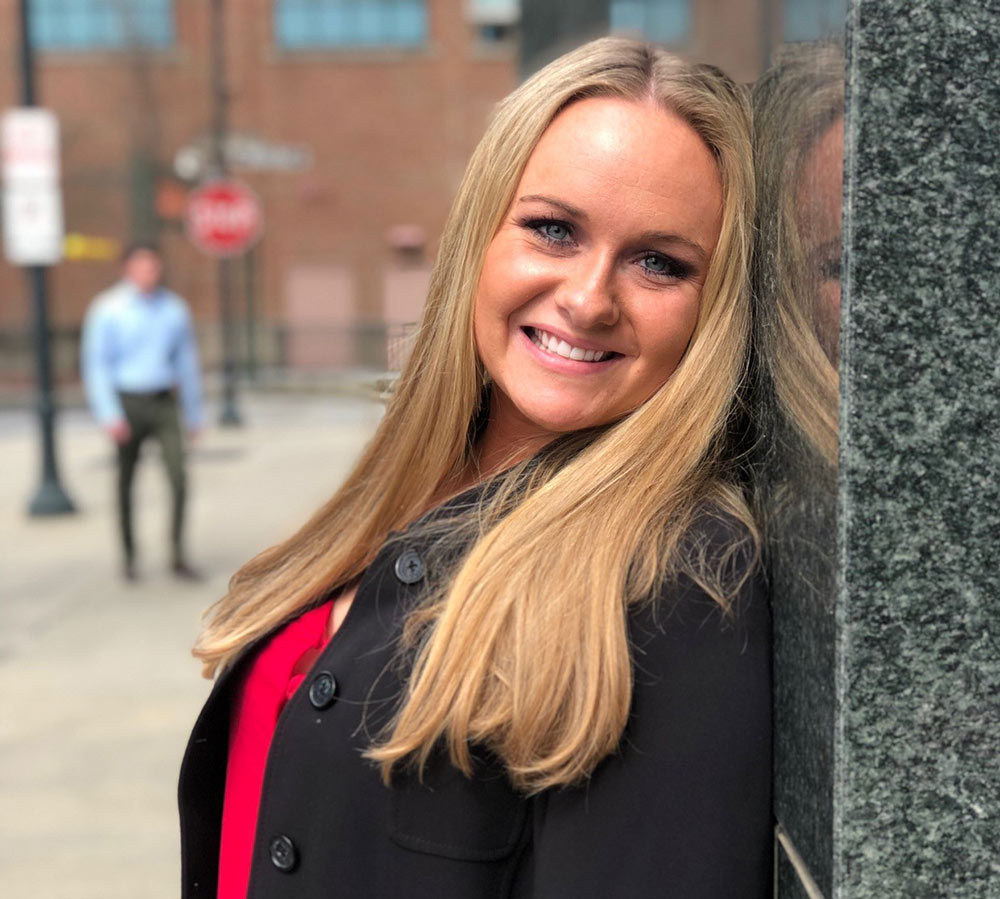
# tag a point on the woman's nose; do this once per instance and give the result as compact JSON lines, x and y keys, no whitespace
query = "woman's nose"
{"x":586,"y":296}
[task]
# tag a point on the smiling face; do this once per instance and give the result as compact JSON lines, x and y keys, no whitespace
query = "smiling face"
{"x":590,"y":288}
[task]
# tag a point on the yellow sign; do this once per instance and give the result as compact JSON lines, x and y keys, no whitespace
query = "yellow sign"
{"x":85,"y":247}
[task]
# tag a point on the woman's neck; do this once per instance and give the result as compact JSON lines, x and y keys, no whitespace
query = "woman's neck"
{"x":507,"y":438}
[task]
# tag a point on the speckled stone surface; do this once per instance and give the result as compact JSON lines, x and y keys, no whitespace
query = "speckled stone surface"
{"x":917,"y":748}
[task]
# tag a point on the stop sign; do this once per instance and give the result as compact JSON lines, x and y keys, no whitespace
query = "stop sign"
{"x":223,"y":218}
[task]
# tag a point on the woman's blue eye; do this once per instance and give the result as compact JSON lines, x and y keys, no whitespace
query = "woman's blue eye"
{"x":661,"y":266}
{"x":552,"y":231}
{"x":555,"y":231}
{"x":656,"y":264}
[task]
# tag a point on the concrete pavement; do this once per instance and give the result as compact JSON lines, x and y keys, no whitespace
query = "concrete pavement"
{"x":98,"y":690}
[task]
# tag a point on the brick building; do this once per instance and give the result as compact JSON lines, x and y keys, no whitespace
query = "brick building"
{"x":352,"y":120}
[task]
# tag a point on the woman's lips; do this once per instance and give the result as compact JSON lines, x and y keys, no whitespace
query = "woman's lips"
{"x":563,"y":355}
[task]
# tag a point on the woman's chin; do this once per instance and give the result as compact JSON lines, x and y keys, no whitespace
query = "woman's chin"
{"x":562,"y":419}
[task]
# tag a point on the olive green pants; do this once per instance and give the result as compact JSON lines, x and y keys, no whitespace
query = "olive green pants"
{"x":152,"y":415}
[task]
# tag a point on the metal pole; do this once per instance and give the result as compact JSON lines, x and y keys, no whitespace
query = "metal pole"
{"x":551,"y":27}
{"x":249,"y":275}
{"x":27,"y":57}
{"x":229,"y":416}
{"x":50,"y":498}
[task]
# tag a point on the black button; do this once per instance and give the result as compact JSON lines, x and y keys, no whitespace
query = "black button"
{"x":323,"y":690}
{"x":283,"y":854}
{"x":409,"y":567}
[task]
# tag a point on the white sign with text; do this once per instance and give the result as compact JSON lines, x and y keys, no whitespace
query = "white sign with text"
{"x":32,"y":200}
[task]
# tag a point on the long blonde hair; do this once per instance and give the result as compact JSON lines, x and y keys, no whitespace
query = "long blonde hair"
{"x":524,"y":648}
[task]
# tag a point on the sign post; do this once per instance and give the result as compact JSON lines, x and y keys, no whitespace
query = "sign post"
{"x":221,"y":212}
{"x":32,"y":202}
{"x":224,"y":220}
{"x":32,"y":229}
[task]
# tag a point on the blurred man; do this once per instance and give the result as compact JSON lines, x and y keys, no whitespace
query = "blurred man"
{"x":139,"y":357}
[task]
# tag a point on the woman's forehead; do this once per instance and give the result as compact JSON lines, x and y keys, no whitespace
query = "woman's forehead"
{"x":631,"y":159}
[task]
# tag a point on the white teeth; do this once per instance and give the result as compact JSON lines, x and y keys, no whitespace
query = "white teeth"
{"x":552,"y":344}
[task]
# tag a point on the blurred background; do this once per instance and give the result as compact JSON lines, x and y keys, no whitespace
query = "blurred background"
{"x":347,"y":125}
{"x":351,"y":120}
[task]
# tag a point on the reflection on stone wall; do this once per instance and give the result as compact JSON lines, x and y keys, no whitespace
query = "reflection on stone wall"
{"x":799,"y":134}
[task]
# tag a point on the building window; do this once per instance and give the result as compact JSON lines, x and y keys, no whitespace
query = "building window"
{"x":494,"y":21}
{"x":83,"y":25}
{"x":813,"y":20}
{"x":660,"y":21}
{"x":322,"y":24}
{"x":495,"y":34}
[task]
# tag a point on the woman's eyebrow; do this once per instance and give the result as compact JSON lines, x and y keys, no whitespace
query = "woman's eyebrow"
{"x":570,"y":210}
{"x":666,"y":237}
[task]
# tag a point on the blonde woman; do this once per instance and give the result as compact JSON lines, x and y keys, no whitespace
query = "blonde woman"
{"x":523,"y":651}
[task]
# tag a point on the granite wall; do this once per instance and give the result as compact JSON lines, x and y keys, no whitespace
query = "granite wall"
{"x":917,"y":740}
{"x":886,"y":566}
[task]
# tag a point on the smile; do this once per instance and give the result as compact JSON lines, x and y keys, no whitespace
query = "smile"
{"x":555,"y":346}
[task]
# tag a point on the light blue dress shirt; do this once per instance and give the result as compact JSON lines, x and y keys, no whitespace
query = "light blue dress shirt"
{"x":139,"y":343}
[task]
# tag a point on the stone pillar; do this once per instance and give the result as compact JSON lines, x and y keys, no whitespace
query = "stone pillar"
{"x":917,"y":739}
{"x":887,"y":659}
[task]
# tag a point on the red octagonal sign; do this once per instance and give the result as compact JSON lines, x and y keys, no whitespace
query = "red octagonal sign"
{"x":223,"y":218}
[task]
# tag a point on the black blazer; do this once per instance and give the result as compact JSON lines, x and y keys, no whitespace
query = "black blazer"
{"x":683,"y":810}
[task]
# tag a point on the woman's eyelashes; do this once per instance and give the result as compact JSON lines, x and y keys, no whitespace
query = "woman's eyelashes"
{"x":561,"y":235}
{"x":661,"y":266}
{"x":551,"y":231}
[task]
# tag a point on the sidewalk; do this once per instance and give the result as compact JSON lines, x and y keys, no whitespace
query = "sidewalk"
{"x":98,"y":690}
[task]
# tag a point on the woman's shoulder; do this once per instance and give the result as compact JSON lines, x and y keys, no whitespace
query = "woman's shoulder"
{"x":719,"y":530}
{"x":716,"y":594}
{"x":719,"y":555}
{"x":695,"y":757}
{"x":701,"y":666}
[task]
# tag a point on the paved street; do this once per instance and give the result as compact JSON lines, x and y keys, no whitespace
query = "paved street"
{"x":98,"y":690}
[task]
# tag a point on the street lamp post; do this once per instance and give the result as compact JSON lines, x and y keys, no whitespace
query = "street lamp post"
{"x":550,"y":27}
{"x":50,"y":498}
{"x":229,"y":416}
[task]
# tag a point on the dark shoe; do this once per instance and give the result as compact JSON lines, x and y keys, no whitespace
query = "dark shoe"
{"x":129,"y":572}
{"x":185,"y":572}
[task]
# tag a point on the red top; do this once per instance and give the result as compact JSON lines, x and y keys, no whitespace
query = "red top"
{"x":273,"y":676}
